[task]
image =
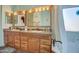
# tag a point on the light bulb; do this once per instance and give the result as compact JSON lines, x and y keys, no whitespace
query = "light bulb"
{"x":47,"y":8}
{"x":43,"y":8}
{"x":39,"y":9}
{"x":36,"y":10}
{"x":23,"y":12}
{"x":15,"y":13}
{"x":30,"y":11}
{"x":9,"y":14}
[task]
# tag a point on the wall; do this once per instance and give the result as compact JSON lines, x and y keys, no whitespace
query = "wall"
{"x":19,"y":22}
{"x":3,"y":22}
{"x":70,"y":39}
{"x":5,"y":8}
{"x":23,"y":7}
{"x":1,"y":38}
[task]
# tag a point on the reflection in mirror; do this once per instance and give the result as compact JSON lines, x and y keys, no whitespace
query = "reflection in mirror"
{"x":9,"y":19}
{"x":42,"y":18}
{"x":30,"y":19}
{"x":15,"y":19}
{"x":19,"y":18}
{"x":39,"y":18}
{"x":20,"y":21}
{"x":36,"y":18}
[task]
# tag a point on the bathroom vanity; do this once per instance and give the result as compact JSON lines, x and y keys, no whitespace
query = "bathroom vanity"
{"x":37,"y":37}
{"x":28,"y":41}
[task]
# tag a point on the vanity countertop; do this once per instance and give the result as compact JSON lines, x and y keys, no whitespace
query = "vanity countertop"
{"x":39,"y":32}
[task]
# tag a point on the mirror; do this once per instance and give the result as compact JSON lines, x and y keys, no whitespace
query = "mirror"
{"x":19,"y":18}
{"x":37,"y":18}
{"x":30,"y":19}
{"x":9,"y":18}
{"x":15,"y":18}
{"x":40,"y":18}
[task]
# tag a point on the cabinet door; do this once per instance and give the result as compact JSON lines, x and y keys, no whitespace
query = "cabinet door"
{"x":17,"y":41}
{"x":45,"y":45}
{"x":44,"y":48}
{"x":5,"y":37}
{"x":24,"y":42}
{"x":33,"y":45}
{"x":45,"y":42}
{"x":10,"y":39}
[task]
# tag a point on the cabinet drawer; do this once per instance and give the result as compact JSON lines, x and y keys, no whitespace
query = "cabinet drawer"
{"x":17,"y":41}
{"x":10,"y":44}
{"x":44,"y":48}
{"x":45,"y":42}
{"x":24,"y":38}
{"x":17,"y":45}
{"x":24,"y":47}
{"x":10,"y":41}
{"x":24,"y":42}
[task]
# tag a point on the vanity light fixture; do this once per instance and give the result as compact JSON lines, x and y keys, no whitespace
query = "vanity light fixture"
{"x":9,"y":14}
{"x":40,"y":9}
{"x":15,"y":13}
{"x":47,"y":8}
{"x":43,"y":8}
{"x":23,"y":11}
{"x":30,"y":11}
{"x":36,"y":10}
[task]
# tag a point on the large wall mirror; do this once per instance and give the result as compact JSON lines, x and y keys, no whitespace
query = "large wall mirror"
{"x":39,"y":17}
{"x":9,"y":18}
{"x":35,"y":18}
{"x":16,"y":18}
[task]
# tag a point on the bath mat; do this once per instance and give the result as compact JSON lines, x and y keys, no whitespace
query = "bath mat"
{"x":7,"y":50}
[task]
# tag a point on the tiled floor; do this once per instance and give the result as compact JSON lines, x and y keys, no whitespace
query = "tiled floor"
{"x":10,"y":50}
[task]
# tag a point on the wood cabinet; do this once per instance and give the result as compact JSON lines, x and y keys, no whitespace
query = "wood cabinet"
{"x":24,"y":42}
{"x":33,"y":45}
{"x":45,"y":45}
{"x":16,"y":40}
{"x":5,"y":37}
{"x":28,"y":42}
{"x":10,"y":39}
